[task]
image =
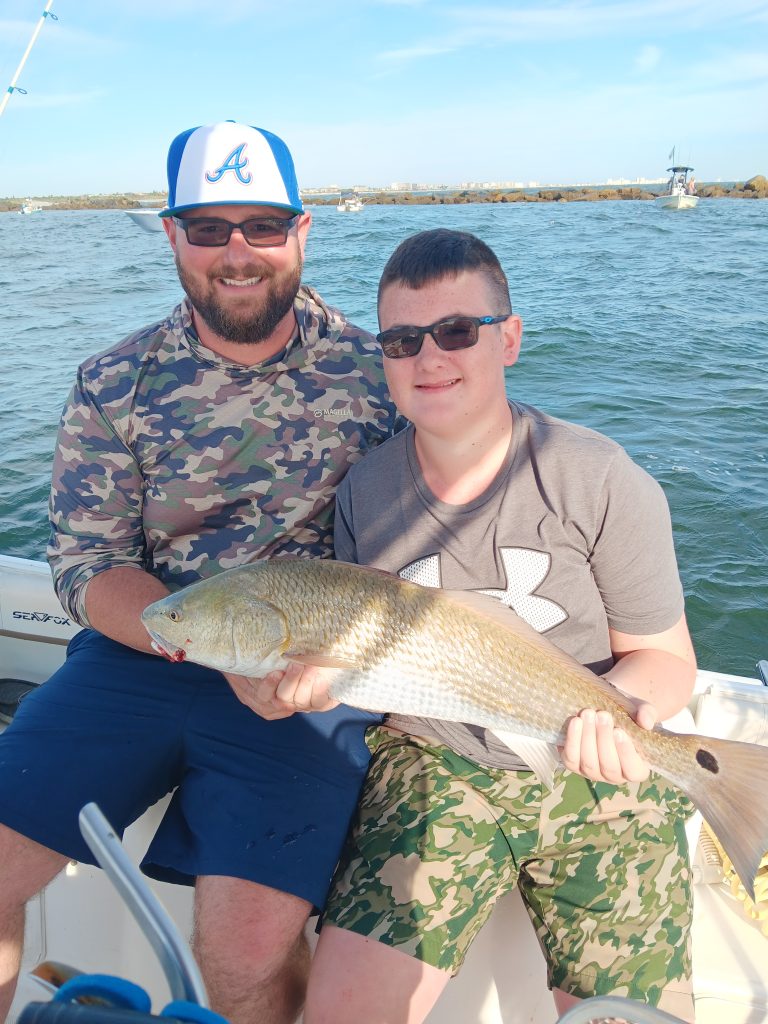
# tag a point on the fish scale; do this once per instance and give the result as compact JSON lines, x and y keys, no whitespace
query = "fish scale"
{"x":411,"y":650}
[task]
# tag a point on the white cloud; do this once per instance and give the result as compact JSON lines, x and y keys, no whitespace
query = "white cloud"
{"x":561,"y":21}
{"x":731,"y":68}
{"x":579,"y":136}
{"x":11,"y":30}
{"x":565,"y":21}
{"x":414,"y":53}
{"x":647,"y":59}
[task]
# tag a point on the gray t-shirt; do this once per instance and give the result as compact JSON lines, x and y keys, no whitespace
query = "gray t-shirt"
{"x":571,"y":534}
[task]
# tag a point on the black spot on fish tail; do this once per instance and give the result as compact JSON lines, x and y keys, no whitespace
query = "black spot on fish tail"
{"x":707,"y":760}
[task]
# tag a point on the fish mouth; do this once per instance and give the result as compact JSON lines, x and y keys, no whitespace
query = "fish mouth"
{"x":165,"y":649}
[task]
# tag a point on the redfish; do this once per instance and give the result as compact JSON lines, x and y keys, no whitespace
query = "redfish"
{"x":460,"y":656}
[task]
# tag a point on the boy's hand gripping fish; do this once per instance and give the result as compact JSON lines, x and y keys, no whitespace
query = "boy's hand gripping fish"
{"x":459,"y":656}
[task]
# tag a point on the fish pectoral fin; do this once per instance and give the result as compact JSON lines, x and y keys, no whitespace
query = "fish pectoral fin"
{"x":322,"y":661}
{"x":539,"y":755}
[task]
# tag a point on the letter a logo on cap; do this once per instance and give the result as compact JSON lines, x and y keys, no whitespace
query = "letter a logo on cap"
{"x":235,"y":162}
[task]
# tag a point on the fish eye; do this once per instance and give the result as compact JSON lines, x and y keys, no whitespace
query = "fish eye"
{"x":174,"y":616}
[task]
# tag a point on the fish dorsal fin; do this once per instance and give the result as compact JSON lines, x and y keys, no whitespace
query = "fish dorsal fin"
{"x":322,"y":661}
{"x":493,"y":610}
{"x":539,"y":755}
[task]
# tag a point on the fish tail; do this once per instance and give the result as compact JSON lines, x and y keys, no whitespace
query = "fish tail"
{"x":730,"y":788}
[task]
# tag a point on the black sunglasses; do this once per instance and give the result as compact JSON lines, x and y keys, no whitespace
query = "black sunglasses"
{"x":215,"y":231}
{"x":450,"y":335}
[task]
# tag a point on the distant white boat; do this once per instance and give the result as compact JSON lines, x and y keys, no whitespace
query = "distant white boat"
{"x":30,"y":206}
{"x":681,"y":190}
{"x":350,"y":202}
{"x":147,"y":219}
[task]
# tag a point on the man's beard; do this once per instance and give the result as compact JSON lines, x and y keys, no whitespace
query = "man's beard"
{"x":247,"y":326}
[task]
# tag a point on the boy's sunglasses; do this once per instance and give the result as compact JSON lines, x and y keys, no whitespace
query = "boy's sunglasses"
{"x":215,"y":231}
{"x":450,"y":335}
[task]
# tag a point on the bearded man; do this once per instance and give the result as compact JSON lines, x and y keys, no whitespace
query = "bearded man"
{"x":209,"y":439}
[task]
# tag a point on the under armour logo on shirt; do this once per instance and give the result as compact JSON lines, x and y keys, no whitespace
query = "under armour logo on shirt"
{"x":236,"y":163}
{"x":525,"y":570}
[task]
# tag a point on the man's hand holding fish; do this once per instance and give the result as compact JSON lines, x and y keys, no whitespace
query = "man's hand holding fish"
{"x":282,"y":693}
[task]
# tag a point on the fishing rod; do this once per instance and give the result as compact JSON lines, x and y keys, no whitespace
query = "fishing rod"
{"x":12,"y":88}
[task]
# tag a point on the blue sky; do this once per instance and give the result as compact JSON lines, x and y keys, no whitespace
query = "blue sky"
{"x":376,"y":91}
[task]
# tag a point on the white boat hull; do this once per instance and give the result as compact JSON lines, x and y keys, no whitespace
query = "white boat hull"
{"x":81,"y":921}
{"x":677,"y":202}
{"x":146,"y":219}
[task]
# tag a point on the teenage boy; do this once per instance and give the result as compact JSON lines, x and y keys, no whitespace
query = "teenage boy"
{"x":557,"y":522}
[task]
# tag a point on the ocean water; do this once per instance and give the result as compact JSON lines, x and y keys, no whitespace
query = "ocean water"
{"x":648,"y":325}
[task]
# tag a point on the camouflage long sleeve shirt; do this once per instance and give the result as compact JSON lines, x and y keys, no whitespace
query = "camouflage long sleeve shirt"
{"x":175,"y":460}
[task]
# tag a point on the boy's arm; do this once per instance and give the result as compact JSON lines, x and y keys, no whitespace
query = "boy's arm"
{"x":659,"y":670}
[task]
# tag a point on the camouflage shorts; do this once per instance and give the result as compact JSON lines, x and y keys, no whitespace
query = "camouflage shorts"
{"x":603,"y":870}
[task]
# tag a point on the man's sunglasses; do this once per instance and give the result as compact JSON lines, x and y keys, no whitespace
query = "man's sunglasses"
{"x":450,"y":335}
{"x":214,"y":231}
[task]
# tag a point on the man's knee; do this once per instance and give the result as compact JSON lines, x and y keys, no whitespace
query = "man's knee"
{"x":240,"y":924}
{"x":27,"y":868}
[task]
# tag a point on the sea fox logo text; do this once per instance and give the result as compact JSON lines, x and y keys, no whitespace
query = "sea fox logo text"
{"x":58,"y":620}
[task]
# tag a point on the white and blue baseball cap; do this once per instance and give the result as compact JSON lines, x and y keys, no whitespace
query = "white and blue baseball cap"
{"x":230,"y":164}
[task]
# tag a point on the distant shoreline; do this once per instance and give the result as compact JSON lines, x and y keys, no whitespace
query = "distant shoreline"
{"x":755,"y":188}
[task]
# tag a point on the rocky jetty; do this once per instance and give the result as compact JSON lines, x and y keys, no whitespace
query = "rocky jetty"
{"x":755,"y":188}
{"x":116,"y":201}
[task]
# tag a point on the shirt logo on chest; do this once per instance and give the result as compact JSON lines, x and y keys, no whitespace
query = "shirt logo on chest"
{"x":524,"y":569}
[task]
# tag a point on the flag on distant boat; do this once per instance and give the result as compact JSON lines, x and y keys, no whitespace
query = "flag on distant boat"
{"x":672,"y":154}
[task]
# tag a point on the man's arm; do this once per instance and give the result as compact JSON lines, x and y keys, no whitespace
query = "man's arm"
{"x":114,"y":601}
{"x":96,"y":515}
{"x":659,"y":670}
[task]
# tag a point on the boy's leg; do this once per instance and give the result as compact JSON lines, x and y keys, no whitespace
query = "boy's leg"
{"x":609,"y":892}
{"x":27,"y":868}
{"x":355,"y":979}
{"x":424,"y":863}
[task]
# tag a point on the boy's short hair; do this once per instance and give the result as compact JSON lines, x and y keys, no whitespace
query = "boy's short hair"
{"x":432,"y":255}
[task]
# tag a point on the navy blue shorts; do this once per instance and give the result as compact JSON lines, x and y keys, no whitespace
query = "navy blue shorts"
{"x":265,"y":801}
